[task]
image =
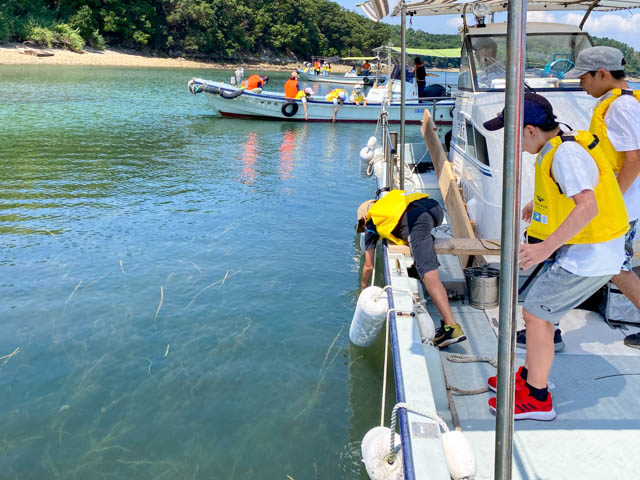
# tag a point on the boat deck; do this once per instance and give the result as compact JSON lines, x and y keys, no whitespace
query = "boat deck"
{"x":595,"y":388}
{"x":594,"y":383}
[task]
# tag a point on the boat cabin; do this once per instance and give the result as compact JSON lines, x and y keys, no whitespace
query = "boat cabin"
{"x":476,"y":153}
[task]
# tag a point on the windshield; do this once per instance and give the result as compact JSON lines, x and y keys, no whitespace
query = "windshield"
{"x":549,"y":57}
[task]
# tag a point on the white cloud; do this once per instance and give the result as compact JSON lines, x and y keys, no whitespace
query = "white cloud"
{"x":618,"y":26}
{"x":454,"y":22}
{"x":546,"y":17}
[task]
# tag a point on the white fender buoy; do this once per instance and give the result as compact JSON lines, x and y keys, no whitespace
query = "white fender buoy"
{"x":461,"y":461}
{"x":369,"y":316}
{"x":427,"y":328}
{"x":375,"y":450}
{"x":371,"y":143}
{"x":366,"y":156}
{"x":378,"y":162}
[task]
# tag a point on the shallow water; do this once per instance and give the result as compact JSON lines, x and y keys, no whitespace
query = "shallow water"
{"x":176,"y":288}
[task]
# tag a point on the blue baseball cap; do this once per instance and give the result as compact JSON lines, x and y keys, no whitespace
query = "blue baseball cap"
{"x":537,"y":110}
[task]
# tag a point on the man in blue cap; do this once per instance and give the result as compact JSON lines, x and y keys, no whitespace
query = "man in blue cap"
{"x":616,"y":123}
{"x":578,"y":214}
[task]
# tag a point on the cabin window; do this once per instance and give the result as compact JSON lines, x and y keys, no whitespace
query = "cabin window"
{"x":481,"y":148}
{"x":471,"y":144}
{"x":476,"y":144}
{"x":549,"y":56}
{"x":464,"y":77}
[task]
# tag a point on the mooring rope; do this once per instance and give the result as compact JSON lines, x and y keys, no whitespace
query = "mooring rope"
{"x":386,"y":359}
{"x":433,"y":416}
{"x":417,"y":301}
{"x":464,"y":358}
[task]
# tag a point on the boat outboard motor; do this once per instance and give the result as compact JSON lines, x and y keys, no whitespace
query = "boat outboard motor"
{"x":434,"y":90}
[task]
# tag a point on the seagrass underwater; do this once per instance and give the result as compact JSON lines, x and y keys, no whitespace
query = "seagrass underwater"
{"x":176,"y":287}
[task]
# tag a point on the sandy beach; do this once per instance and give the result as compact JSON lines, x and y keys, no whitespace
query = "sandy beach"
{"x":18,"y":54}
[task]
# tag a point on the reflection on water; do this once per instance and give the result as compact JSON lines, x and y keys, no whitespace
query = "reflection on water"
{"x":249,"y":155}
{"x":179,"y":286}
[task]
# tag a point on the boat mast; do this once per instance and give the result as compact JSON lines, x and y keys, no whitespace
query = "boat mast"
{"x":513,"y":117}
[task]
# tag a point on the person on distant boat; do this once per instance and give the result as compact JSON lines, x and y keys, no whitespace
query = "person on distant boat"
{"x":408,"y":218}
{"x":488,"y":68}
{"x":291,"y":87}
{"x":366,"y":68}
{"x":615,"y":122}
{"x":303,"y":96}
{"x":316,"y":67}
{"x":255,"y":81}
{"x":357,"y":96}
{"x":421,"y":76}
{"x":338,"y":96}
{"x":578,"y":215}
{"x":239,"y":75}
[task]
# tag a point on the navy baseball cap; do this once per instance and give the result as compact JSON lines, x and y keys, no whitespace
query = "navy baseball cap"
{"x":537,"y":110}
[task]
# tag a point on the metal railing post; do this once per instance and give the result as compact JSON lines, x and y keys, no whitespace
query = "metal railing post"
{"x":513,"y":114}
{"x":403,"y":78}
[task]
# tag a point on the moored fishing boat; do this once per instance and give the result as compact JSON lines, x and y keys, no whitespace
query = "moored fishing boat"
{"x":233,"y":102}
{"x":346,"y":79}
{"x":585,"y":439}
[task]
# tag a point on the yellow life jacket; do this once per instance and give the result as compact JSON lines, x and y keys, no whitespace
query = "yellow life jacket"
{"x":387,"y":212}
{"x":357,"y":96}
{"x":334,"y":94}
{"x":551,"y":207}
{"x":599,"y":128}
{"x":300,"y":94}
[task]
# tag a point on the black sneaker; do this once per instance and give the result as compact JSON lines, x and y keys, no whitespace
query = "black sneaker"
{"x":558,"y":344}
{"x":632,"y":340}
{"x":448,"y":335}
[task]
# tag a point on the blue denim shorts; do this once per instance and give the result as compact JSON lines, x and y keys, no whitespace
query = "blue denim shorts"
{"x":555,"y":291}
{"x":628,"y":245}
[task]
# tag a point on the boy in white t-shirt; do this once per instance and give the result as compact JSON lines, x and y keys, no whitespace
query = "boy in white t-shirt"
{"x":578,"y":213}
{"x":616,"y":121}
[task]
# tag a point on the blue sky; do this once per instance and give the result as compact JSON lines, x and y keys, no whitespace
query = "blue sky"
{"x":622,"y":26}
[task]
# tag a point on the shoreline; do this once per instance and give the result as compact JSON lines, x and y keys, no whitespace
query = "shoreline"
{"x":18,"y":54}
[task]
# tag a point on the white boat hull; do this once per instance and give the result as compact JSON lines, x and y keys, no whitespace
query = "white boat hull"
{"x":273,"y":105}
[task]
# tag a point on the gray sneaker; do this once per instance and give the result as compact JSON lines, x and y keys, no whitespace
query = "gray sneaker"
{"x":633,"y":340}
{"x":558,"y":344}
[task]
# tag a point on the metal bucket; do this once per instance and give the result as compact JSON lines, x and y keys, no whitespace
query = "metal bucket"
{"x":482,"y":285}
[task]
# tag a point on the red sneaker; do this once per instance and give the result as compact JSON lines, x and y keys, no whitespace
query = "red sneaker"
{"x":493,"y":381}
{"x":528,"y":408}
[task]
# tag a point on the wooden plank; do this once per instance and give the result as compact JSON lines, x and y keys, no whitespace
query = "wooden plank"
{"x":456,"y":246}
{"x":467,"y":246}
{"x":458,"y":217}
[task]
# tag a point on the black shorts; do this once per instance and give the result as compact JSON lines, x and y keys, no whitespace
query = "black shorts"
{"x":415,"y":226}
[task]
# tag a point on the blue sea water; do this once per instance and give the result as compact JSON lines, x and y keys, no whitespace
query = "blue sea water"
{"x":175,"y":288}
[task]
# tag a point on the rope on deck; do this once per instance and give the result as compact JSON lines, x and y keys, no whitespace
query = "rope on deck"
{"x":432,"y":415}
{"x":463,"y":358}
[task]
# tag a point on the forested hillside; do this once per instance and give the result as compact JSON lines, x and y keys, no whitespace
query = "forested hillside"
{"x":215,"y":29}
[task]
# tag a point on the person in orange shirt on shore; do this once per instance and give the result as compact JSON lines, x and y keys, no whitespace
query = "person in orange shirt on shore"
{"x":291,"y":87}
